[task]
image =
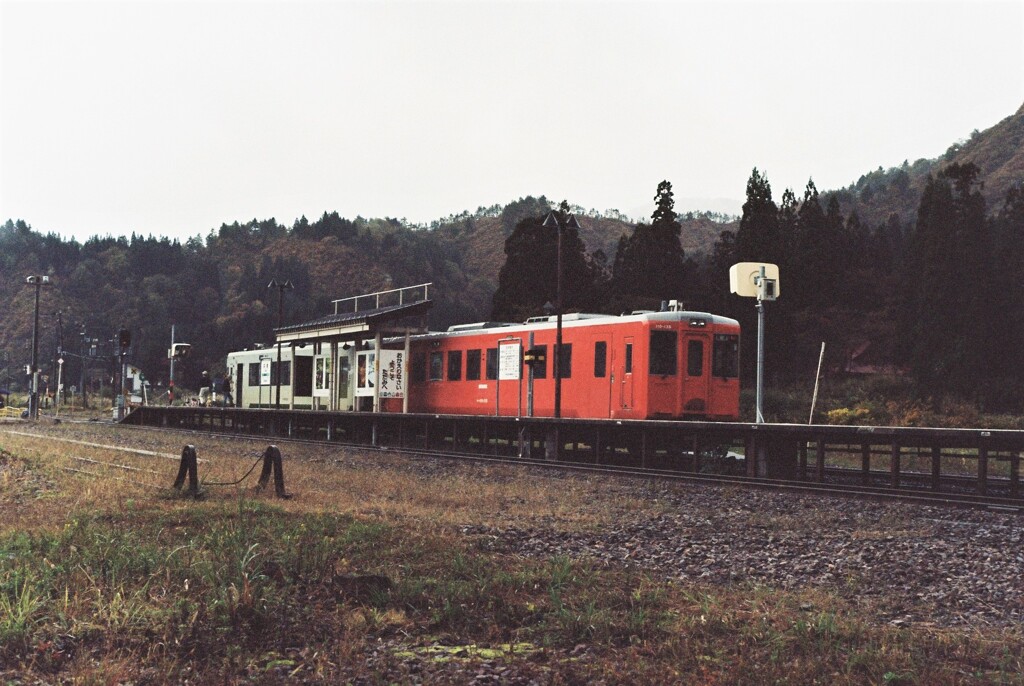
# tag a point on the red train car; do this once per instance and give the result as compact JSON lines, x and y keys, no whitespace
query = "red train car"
{"x":647,"y":365}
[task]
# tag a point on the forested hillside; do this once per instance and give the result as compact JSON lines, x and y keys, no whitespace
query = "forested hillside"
{"x":910,"y":267}
{"x":998,"y":153}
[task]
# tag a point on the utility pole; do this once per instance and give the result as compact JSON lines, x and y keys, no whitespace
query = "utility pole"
{"x":124,"y":340}
{"x":551,"y":221}
{"x":281,"y":288}
{"x":33,"y":400}
{"x":81,"y":369}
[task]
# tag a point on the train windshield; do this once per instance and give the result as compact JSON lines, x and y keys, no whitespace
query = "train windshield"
{"x":664,"y":358}
{"x":725,"y":361}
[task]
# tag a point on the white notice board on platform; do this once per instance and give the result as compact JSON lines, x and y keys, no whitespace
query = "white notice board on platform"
{"x":510,"y":356}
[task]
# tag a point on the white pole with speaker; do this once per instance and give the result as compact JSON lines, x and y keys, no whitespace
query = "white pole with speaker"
{"x":756,"y":280}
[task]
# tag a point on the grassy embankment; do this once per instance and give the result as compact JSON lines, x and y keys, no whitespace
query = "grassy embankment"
{"x":366,"y":573}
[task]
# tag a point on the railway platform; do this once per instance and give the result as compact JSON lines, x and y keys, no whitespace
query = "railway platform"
{"x":978,"y":461}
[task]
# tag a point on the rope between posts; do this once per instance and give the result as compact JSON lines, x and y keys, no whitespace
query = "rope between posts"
{"x":235,"y":483}
{"x":271,"y":459}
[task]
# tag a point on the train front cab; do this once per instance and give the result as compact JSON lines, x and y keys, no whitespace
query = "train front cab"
{"x":692,"y":369}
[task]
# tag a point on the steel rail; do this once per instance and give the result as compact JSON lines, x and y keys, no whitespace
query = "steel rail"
{"x":941,"y":498}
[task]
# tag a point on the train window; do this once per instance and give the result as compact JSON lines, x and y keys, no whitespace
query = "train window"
{"x":472,"y":365}
{"x":419,"y":367}
{"x":344,"y":367}
{"x":565,"y":361}
{"x":254,"y":373}
{"x":695,"y":358}
{"x":454,"y":365}
{"x":286,"y":373}
{"x":540,"y":369}
{"x":725,"y":356}
{"x":629,"y":358}
{"x":600,"y":359}
{"x":436,"y":363}
{"x":492,"y":363}
{"x":663,"y":359}
{"x":303,"y":376}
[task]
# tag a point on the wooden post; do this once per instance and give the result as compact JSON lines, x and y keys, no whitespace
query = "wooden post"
{"x":188,"y":467}
{"x":936,"y":467}
{"x":376,"y":372}
{"x":982,"y":470}
{"x":1014,"y":475}
{"x":865,"y":463}
{"x":894,"y":468}
{"x":820,"y":459}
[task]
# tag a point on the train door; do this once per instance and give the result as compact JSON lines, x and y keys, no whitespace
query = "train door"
{"x":597,"y":401}
{"x":239,"y":378}
{"x":695,"y":375}
{"x":625,"y":373}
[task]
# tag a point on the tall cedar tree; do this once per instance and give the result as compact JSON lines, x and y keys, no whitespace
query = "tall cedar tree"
{"x":1007,"y":329}
{"x":650,"y":263}
{"x":946,"y":311}
{"x":757,"y":239}
{"x":528,"y":279}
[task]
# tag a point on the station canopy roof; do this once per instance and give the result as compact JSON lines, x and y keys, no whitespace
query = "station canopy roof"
{"x":388,"y":321}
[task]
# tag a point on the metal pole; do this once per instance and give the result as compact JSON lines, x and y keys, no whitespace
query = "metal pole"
{"x":81,"y":368}
{"x":33,"y":409}
{"x":558,"y":329}
{"x":124,"y":392}
{"x":59,"y":352}
{"x":760,"y":346}
{"x":817,"y":376}
{"x":529,"y":382}
{"x":405,"y":375}
{"x":60,"y":383}
{"x":280,"y":286}
{"x":377,"y":345}
{"x":280,"y":315}
{"x":170,"y":382}
{"x":760,"y":362}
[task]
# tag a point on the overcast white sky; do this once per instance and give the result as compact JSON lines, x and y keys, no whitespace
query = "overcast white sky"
{"x":169,"y":118}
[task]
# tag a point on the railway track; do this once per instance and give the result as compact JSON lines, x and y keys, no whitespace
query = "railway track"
{"x":955,"y":490}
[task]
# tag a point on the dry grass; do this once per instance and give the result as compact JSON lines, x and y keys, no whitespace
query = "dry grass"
{"x":109,"y":579}
{"x":331,"y":479}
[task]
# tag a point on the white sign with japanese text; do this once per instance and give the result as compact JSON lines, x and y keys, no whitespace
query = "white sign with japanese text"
{"x":509,"y":357}
{"x":392,"y":373}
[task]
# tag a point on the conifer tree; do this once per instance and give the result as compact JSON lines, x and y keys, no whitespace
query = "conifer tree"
{"x":528,"y":279}
{"x":650,"y":263}
{"x":757,"y":239}
{"x":946,"y":308}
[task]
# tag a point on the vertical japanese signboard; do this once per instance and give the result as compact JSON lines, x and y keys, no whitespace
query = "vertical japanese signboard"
{"x":392,"y":373}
